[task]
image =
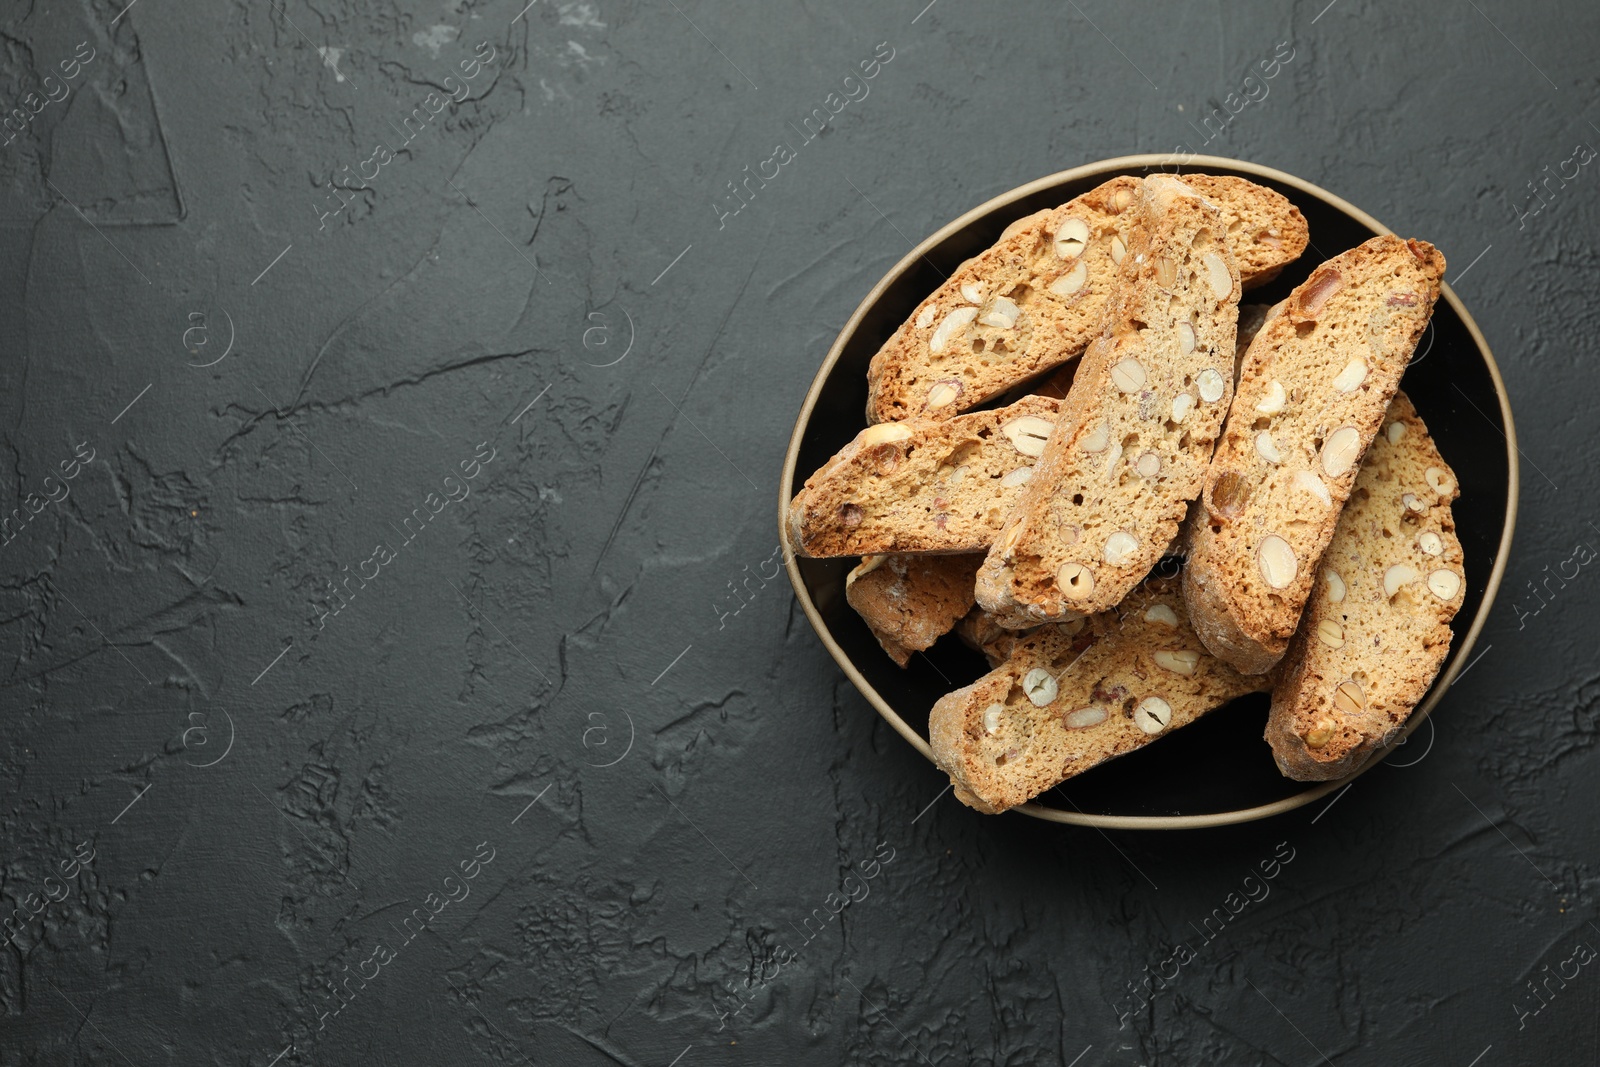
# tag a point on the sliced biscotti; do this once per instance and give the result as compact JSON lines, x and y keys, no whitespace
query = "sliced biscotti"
{"x":1072,"y":695}
{"x":923,"y":485}
{"x":909,"y":602}
{"x":1035,"y":299}
{"x":1377,"y":626}
{"x":1314,"y":387}
{"x":1132,"y":444}
{"x":1025,"y":305}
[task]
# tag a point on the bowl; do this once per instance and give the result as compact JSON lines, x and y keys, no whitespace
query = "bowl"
{"x":1218,"y":770}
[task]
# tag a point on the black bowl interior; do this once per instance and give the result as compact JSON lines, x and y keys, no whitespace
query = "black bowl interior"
{"x":1221,"y":763}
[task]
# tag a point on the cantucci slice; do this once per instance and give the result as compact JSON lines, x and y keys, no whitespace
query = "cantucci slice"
{"x":1073,"y":695}
{"x":1035,"y":299}
{"x":1138,"y":426}
{"x":922,"y":485}
{"x":909,"y":602}
{"x":1377,"y":626}
{"x":1313,"y":390}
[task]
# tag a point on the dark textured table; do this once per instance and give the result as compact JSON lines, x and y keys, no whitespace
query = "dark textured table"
{"x":394,"y":673}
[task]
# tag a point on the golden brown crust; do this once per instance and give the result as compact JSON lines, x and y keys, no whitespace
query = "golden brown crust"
{"x":1312,"y":392}
{"x":1383,"y":649}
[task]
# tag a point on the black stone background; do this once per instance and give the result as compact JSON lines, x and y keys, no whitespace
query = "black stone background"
{"x":261,"y":801}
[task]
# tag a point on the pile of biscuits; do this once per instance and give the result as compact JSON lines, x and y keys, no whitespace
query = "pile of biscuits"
{"x":1140,"y":500}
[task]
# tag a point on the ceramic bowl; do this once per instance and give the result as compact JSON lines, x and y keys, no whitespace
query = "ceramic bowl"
{"x":1218,"y":770}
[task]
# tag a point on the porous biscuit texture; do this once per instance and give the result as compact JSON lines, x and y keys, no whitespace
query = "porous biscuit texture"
{"x":1313,"y":390}
{"x":1377,"y":626}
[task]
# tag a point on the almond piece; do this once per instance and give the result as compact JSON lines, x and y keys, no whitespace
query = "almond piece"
{"x":1165,"y":271}
{"x":991,"y":718}
{"x":1008,"y":540}
{"x":973,"y":292}
{"x":1322,"y":286}
{"x":1439,"y":480}
{"x":1040,"y":686}
{"x":1268,"y":448}
{"x":1148,"y":465}
{"x":1074,"y":580}
{"x":1118,"y":250}
{"x":1112,"y":459}
{"x":1273,"y":400}
{"x":1330,"y":633}
{"x":1017,"y":477}
{"x":1319,"y":734}
{"x":1182,"y":404}
{"x":943,"y":394}
{"x":1335,"y":586}
{"x":1312,"y":484}
{"x":1396,"y":431}
{"x":1413,"y":502}
{"x":1217,"y":275}
{"x":1186,"y":338}
{"x":1349,"y":698}
{"x":1152,"y":715}
{"x":1120,"y":548}
{"x":885,"y":433}
{"x":1083,"y":718}
{"x":1211,"y":385}
{"x":1229,"y":495}
{"x":1028,"y":433}
{"x":1429,"y":543}
{"x":1128,"y":375}
{"x":1071,"y":237}
{"x":953,"y":323}
{"x":1276,"y":561}
{"x":867,"y":565}
{"x":1181,"y":661}
{"x":1003,"y":314}
{"x":925,"y":316}
{"x":1341,"y":451}
{"x":1354,"y":373}
{"x":1161,"y":613}
{"x":1397,"y":577}
{"x":1070,"y":282}
{"x":1444,"y":584}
